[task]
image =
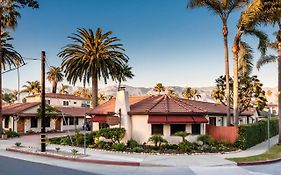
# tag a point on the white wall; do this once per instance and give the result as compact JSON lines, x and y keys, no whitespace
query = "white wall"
{"x":73,"y":127}
{"x":27,"y":125}
{"x":58,"y":101}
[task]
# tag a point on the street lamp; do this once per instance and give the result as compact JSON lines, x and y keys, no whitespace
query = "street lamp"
{"x":85,"y":129}
{"x":268,"y":126}
{"x":116,"y":114}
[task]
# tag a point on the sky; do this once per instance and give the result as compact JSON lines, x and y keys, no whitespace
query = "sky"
{"x":166,"y":42}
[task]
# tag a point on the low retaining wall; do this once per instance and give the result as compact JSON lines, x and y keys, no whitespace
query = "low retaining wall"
{"x":223,"y":133}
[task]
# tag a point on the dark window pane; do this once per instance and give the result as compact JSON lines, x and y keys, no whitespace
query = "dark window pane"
{"x":7,"y":119}
{"x":176,"y":128}
{"x":65,"y":103}
{"x":47,"y":121}
{"x":76,"y":121}
{"x":196,"y":129}
{"x":65,"y":120}
{"x":103,"y":125}
{"x":212,"y":121}
{"x":34,"y":122}
{"x":71,"y":121}
{"x":157,"y":129}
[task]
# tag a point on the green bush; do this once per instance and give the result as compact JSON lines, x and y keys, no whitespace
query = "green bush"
{"x":12,"y":134}
{"x":114,"y":134}
{"x":252,"y":134}
{"x":185,"y":146}
{"x":182,"y":134}
{"x":132,"y":143}
{"x":169,"y":146}
{"x":137,"y":149}
{"x":104,"y":145}
{"x":18,"y":144}
{"x":118,"y":147}
{"x":157,"y":140}
{"x":74,"y":151}
{"x":56,"y":140}
{"x":206,"y":139}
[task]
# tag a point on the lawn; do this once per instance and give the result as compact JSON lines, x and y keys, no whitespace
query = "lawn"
{"x":273,"y":153}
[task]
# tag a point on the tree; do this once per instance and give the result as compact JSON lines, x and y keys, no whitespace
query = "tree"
{"x":92,"y":56}
{"x":9,"y":13}
{"x":123,"y":72}
{"x":9,"y":97}
{"x":157,"y":140}
{"x":182,"y":134}
{"x":246,"y":26}
{"x":83,"y":92}
{"x":54,"y":75}
{"x":251,"y":94}
{"x":173,"y":93}
{"x":32,"y":87}
{"x":269,"y":93}
{"x":101,"y":97}
{"x":159,"y":88}
{"x":191,"y":94}
{"x":64,"y":89}
{"x":223,"y":9}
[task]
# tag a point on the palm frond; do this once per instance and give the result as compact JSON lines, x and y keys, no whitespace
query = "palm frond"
{"x":245,"y":58}
{"x":265,"y":60}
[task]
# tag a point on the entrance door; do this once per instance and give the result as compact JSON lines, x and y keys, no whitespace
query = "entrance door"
{"x":58,"y":124}
{"x":20,"y":125}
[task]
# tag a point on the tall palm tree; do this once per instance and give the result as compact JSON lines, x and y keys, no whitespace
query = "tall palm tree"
{"x":64,"y":89}
{"x":123,"y":72}
{"x":92,"y":56}
{"x":190,"y":93}
{"x":172,"y":92}
{"x":101,"y":97}
{"x":223,"y":9}
{"x":54,"y":76}
{"x":83,"y":92}
{"x":247,"y":26}
{"x":159,"y":88}
{"x":270,"y":14}
{"x":8,"y":58}
{"x":32,"y":87}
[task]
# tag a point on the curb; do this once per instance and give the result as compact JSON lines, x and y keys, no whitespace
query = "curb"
{"x":258,"y":162}
{"x":105,"y":162}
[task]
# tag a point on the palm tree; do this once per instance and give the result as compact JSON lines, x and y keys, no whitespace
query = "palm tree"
{"x":54,"y":76}
{"x":191,"y":94}
{"x":223,"y":9}
{"x":101,"y":97}
{"x":159,"y":88}
{"x":270,"y":14}
{"x":32,"y":87}
{"x":246,"y":26}
{"x":64,"y":89}
{"x":123,"y":72}
{"x":91,"y":57}
{"x":173,"y":93}
{"x":83,"y":92}
{"x":8,"y":19}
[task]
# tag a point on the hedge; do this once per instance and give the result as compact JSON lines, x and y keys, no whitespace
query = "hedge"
{"x":252,"y":134}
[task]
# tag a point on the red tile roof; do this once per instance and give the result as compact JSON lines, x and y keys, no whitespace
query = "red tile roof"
{"x":60,"y":96}
{"x":73,"y":111}
{"x":164,"y":104}
{"x":17,"y":108}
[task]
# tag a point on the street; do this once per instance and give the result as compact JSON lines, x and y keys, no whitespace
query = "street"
{"x":273,"y":169}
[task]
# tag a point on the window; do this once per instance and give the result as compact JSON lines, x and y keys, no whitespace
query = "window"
{"x":75,"y":102}
{"x":71,"y":120}
{"x":76,"y":121}
{"x":34,"y":122}
{"x":196,"y":129}
{"x":157,"y":129}
{"x":65,"y":103}
{"x":7,"y":119}
{"x":103,"y":125}
{"x":212,"y":121}
{"x":47,"y":121}
{"x":48,"y":102}
{"x":65,"y":120}
{"x":176,"y":128}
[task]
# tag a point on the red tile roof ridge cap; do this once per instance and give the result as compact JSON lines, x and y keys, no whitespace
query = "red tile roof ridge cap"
{"x":159,"y":100}
{"x":167,"y":103}
{"x":176,"y":100}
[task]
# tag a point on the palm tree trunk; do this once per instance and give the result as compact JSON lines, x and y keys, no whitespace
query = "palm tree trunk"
{"x":54,"y":87}
{"x":279,"y":81}
{"x":235,"y":50}
{"x":225,"y":35}
{"x":1,"y":96}
{"x":94,"y":90}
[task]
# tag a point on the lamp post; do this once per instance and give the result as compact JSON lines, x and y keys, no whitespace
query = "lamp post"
{"x":43,"y":102}
{"x":268,"y":127}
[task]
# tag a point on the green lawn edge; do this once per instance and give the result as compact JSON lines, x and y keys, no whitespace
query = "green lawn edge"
{"x":272,"y":154}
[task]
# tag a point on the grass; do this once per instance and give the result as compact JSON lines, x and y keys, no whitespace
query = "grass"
{"x":273,"y":153}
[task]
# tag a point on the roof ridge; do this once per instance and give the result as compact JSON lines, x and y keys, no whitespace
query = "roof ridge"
{"x":159,"y":100}
{"x":167,"y":103}
{"x":193,"y":105}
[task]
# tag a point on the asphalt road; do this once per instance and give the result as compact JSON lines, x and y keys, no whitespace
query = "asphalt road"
{"x":272,"y":169}
{"x":10,"y":166}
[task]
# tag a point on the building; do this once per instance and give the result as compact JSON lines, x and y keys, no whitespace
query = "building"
{"x":23,"y":117}
{"x":161,"y":114}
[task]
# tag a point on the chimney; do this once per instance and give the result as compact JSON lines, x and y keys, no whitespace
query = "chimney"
{"x":122,"y":103}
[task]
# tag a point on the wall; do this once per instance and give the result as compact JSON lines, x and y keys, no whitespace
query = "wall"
{"x":73,"y":127}
{"x":57,"y":102}
{"x":27,"y":125}
{"x":223,"y":133}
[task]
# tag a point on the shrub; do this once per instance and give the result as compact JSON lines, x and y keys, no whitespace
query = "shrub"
{"x":205,"y":148}
{"x":169,"y":146}
{"x":57,"y":149}
{"x":206,"y":139}
{"x":74,"y":151}
{"x":182,"y":134}
{"x":157,"y":140}
{"x":104,"y":145}
{"x":252,"y":134}
{"x":91,"y":146}
{"x":132,"y":143}
{"x":114,"y":134}
{"x":18,"y":144}
{"x":118,"y":147}
{"x":137,"y":149}
{"x":185,"y":146}
{"x":12,"y":134}
{"x":56,"y":140}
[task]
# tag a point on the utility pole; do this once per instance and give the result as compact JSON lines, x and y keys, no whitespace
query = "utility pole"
{"x":43,"y":123}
